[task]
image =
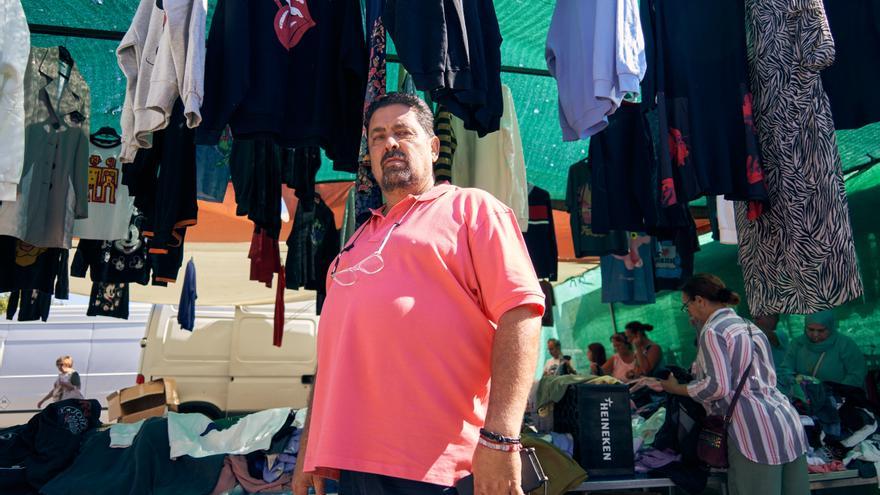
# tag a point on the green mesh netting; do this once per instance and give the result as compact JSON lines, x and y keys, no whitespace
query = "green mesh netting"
{"x":524,"y":25}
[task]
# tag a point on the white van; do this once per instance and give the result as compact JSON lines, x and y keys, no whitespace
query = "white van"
{"x":227,"y":364}
{"x":105,"y":352}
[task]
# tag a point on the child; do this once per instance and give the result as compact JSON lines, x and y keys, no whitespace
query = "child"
{"x":67,"y":385}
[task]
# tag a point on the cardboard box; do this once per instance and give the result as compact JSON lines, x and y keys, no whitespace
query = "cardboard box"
{"x":147,"y":400}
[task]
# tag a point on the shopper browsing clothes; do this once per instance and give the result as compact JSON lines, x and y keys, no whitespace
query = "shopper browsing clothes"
{"x":596,"y":357}
{"x":649,"y":355}
{"x":67,"y":385}
{"x":826,"y":354}
{"x":766,"y":442}
{"x":623,"y":361}
{"x":430,"y":299}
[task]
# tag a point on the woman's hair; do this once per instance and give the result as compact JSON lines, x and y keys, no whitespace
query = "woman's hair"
{"x":598,"y":351}
{"x":638,"y":327}
{"x":710,"y":287}
{"x":621,"y":337}
{"x":64,"y":360}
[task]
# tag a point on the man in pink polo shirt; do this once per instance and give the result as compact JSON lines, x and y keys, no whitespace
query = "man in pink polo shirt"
{"x":432,"y":298}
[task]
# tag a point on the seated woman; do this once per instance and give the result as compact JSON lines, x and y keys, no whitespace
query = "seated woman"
{"x":648,"y":354}
{"x":824,"y":353}
{"x":623,"y":361}
{"x":596,"y":357}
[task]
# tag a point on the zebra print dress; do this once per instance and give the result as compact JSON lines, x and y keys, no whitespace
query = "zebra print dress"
{"x":799,"y":257}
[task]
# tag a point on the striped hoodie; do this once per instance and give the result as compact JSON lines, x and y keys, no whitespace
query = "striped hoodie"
{"x":765,"y":427}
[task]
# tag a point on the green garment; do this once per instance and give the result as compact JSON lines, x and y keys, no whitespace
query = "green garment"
{"x":843,"y":362}
{"x":552,"y":388}
{"x":144,"y":468}
{"x":565,"y":474}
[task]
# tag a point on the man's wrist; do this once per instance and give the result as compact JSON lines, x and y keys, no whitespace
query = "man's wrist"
{"x":498,"y":446}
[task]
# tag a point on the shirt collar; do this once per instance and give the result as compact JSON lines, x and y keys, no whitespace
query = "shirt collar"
{"x":429,"y":195}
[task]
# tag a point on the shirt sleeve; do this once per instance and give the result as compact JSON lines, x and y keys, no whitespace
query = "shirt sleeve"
{"x":503,"y":268}
{"x":716,"y":384}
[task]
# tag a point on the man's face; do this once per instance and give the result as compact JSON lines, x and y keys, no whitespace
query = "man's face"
{"x":402,"y":153}
{"x":554,"y":350}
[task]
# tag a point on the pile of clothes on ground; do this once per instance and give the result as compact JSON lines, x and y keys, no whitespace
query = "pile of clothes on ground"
{"x":64,"y":450}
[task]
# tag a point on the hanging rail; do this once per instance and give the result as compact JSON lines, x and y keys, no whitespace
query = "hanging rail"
{"x":101,"y":34}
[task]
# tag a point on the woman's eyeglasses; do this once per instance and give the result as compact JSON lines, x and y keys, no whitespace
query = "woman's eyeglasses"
{"x":684,"y":307}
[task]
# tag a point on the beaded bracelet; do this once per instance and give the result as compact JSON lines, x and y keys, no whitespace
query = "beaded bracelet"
{"x":497,"y":437}
{"x":502,"y":447}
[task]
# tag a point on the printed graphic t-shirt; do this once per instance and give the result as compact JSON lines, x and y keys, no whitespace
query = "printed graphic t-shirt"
{"x":110,"y":205}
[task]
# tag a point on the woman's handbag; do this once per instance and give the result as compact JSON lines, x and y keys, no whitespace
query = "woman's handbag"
{"x":712,"y":442}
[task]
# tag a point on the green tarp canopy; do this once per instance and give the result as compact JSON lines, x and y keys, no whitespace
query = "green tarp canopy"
{"x":523,"y":23}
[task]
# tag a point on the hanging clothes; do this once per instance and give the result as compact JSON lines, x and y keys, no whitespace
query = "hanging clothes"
{"x":623,"y":169}
{"x":549,"y":303}
{"x":265,"y":257}
{"x":349,"y":219}
{"x":311,"y":248}
{"x":596,"y":52}
{"x":850,"y":80}
{"x":629,"y":279}
{"x":25,"y":266}
{"x":186,"y":310}
{"x":443,"y":130}
{"x":799,"y":257}
{"x":123,"y":260}
{"x":541,"y":236}
{"x":495,"y":162}
{"x":163,"y":181}
{"x":579,"y":202}
{"x":278,"y":316}
{"x":31,"y":305}
{"x":453,"y":50}
{"x":255,"y":166}
{"x":674,"y":251}
{"x":726,"y":216}
{"x":110,"y":205}
{"x":162,"y":56}
{"x":54,"y":183}
{"x":109,"y":299}
{"x":301,"y":83}
{"x":15,"y":43}
{"x":300,"y":172}
{"x":212,"y":169}
{"x":697,"y":86}
{"x":369,"y":195}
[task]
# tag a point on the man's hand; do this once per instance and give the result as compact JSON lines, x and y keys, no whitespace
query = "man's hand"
{"x":496,"y":472}
{"x":302,"y":481}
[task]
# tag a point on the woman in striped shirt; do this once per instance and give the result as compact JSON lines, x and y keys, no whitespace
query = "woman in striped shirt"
{"x":766,"y":442}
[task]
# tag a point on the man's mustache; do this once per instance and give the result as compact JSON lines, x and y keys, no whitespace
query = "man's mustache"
{"x":394,"y":154}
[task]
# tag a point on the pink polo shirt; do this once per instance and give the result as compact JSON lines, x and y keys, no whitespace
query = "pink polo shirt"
{"x":404,"y":355}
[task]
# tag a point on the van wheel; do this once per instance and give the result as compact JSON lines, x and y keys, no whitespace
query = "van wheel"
{"x":206,"y":408}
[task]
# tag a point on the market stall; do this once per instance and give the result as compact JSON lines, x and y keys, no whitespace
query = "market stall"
{"x":184,"y":156}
